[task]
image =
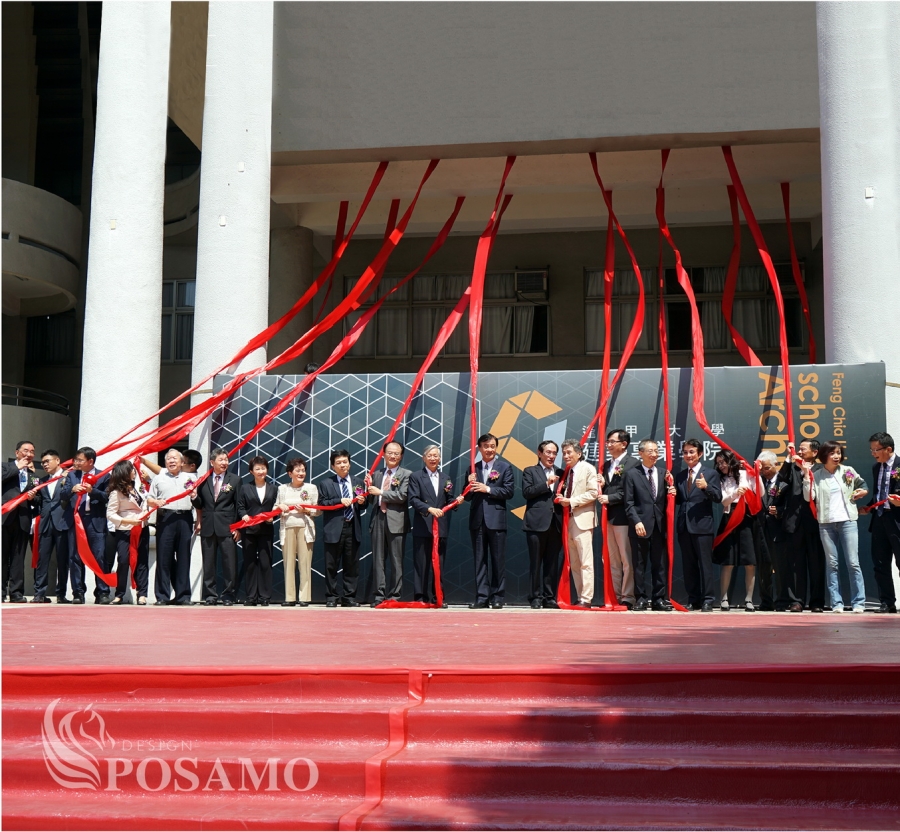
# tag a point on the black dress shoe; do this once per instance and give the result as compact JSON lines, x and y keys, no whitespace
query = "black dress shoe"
{"x":77,"y":598}
{"x":886,"y":609}
{"x":816,"y":609}
{"x":211,"y":602}
{"x":18,"y":599}
{"x":444,"y":605}
{"x":376,"y":602}
{"x":101,"y":599}
{"x":288,"y":603}
{"x":642,"y":605}
{"x":331,"y":603}
{"x":61,"y":599}
{"x":629,"y":605}
{"x":227,"y":603}
{"x":549,"y":604}
{"x":691,"y":608}
{"x":250,"y":602}
{"x":497,"y":605}
{"x":303,"y":603}
{"x":186,"y":603}
{"x":661,"y":605}
{"x":536,"y":605}
{"x":264,"y":602}
{"x":349,"y":602}
{"x":40,"y":599}
{"x":707,"y":606}
{"x":795,"y":607}
{"x":159,"y":603}
{"x":479,"y":605}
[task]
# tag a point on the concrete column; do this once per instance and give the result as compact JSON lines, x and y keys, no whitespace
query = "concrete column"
{"x":859,"y":100}
{"x":290,"y":275}
{"x":123,"y":297}
{"x":232,"y":303}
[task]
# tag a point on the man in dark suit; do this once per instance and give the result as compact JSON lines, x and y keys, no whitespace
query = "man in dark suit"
{"x":492,"y":485}
{"x":801,"y":544}
{"x":430,"y":494}
{"x":56,"y":522}
{"x":342,"y":530}
{"x":216,"y":504}
{"x":92,"y":509}
{"x":645,"y":508}
{"x":884,"y":524}
{"x":543,"y":526}
{"x":18,"y":477}
{"x":770,"y":568}
{"x":389,"y":524}
{"x":618,"y":541}
{"x":697,"y":487}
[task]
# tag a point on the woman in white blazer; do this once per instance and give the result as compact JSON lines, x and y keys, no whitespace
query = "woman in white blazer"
{"x":580,"y":495}
{"x":297,"y":531}
{"x":127,"y":502}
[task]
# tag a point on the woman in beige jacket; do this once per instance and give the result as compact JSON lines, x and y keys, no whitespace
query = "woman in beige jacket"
{"x":297,"y":531}
{"x":127,"y":502}
{"x":580,"y":495}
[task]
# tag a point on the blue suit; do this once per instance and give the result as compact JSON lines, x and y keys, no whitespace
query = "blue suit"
{"x":93,"y":516}
{"x":696,"y":530}
{"x":56,"y":523}
{"x":487,"y":527}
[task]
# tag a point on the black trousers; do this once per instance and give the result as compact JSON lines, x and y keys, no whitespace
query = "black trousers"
{"x":489,"y":545}
{"x":123,"y":559}
{"x":543,"y":562}
{"x":654,"y":548}
{"x":173,"y":557}
{"x":808,"y":562}
{"x":15,"y":544}
{"x":696,"y":561}
{"x":257,"y":550}
{"x":766,"y":578}
{"x":343,"y":554}
{"x":386,"y":546}
{"x":423,"y":568}
{"x":50,"y":539}
{"x":885,"y":548}
{"x":210,"y":546}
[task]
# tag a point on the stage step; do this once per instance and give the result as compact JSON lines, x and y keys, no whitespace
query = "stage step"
{"x":453,"y":749}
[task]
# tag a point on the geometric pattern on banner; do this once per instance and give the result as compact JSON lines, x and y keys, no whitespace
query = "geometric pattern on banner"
{"x":522,"y":409}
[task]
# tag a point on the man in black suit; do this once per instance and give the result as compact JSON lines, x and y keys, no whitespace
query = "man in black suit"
{"x":766,"y":528}
{"x":18,"y":477}
{"x":389,"y":524}
{"x":697,"y":487}
{"x":492,"y":485}
{"x":618,"y":541}
{"x":645,"y":508}
{"x":342,"y":530}
{"x":884,"y":524}
{"x":543,"y":526}
{"x":430,"y":494}
{"x":92,"y":510}
{"x":56,"y":522}
{"x":216,"y":504}
{"x":801,"y":544}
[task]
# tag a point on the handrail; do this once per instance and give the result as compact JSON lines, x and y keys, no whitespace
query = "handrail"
{"x":18,"y":395}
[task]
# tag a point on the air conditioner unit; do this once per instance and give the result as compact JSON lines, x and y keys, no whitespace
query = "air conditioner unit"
{"x":532,"y":285}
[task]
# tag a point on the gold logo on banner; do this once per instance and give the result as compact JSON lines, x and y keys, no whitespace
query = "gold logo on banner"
{"x":535,"y":405}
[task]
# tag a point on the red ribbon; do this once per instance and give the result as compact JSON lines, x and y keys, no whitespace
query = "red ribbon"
{"x":35,"y":543}
{"x":731,"y":276}
{"x":83,"y":547}
{"x":795,"y":270}
{"x":258,"y":519}
{"x":738,"y":510}
{"x":338,"y":239}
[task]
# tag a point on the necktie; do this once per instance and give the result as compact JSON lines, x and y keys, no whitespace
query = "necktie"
{"x":883,"y":487}
{"x":652,"y":482}
{"x":218,"y":486}
{"x":345,"y":491}
{"x":569,"y":479}
{"x":487,"y":472}
{"x":690,"y":484}
{"x":435,"y":483}
{"x":385,"y":486}
{"x":23,"y":480}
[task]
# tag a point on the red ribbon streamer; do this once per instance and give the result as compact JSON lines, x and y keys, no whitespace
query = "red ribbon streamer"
{"x":773,"y":281}
{"x":338,"y":239}
{"x":731,"y":276}
{"x":795,"y":270}
{"x":738,"y":510}
{"x":83,"y":547}
{"x":35,"y":543}
{"x":275,"y":513}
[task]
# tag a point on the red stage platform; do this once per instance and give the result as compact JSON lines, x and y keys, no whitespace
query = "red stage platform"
{"x":190,"y":718}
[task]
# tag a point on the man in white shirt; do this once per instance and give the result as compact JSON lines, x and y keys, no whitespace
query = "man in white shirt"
{"x":173,"y":531}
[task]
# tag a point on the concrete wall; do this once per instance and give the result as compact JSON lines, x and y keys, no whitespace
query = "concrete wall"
{"x":351,"y":76}
{"x":20,"y":103}
{"x":42,"y":427}
{"x":568,"y":255}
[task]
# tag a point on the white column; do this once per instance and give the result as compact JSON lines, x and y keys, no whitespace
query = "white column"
{"x":233,"y":230}
{"x":859,"y":100}
{"x":123,"y":297}
{"x":290,"y":275}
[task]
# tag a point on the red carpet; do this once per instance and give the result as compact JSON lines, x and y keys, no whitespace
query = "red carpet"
{"x":323,"y":719}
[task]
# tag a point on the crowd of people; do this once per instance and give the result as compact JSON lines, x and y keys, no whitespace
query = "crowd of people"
{"x":808,"y":509}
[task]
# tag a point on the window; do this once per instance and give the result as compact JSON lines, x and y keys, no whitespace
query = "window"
{"x":754,"y":314}
{"x":178,"y":320}
{"x":408,"y":323}
{"x":50,"y":339}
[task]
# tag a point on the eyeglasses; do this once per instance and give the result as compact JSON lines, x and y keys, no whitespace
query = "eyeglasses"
{"x":876,"y":450}
{"x":615,"y":442}
{"x":45,"y":461}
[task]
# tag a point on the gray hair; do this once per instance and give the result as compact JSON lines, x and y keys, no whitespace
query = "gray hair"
{"x":575,"y":445}
{"x":217,"y":452}
{"x":768,"y":456}
{"x":429,"y":449}
{"x":175,"y":451}
{"x":645,"y":442}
